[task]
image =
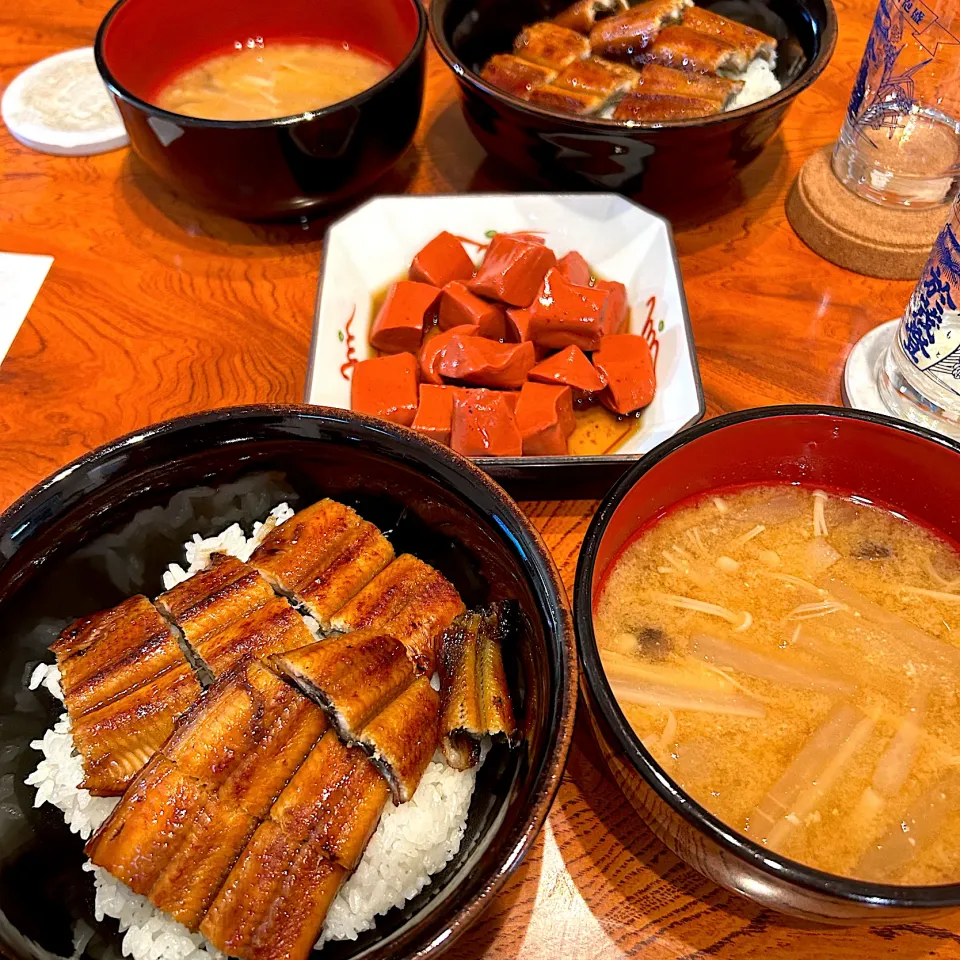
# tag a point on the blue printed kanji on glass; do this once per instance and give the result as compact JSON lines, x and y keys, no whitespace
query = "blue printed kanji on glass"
{"x":930,"y":330}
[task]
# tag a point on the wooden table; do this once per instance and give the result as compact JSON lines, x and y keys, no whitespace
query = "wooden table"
{"x":153,"y":308}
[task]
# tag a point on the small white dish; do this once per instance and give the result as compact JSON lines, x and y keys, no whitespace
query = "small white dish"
{"x":61,"y":106}
{"x":373,"y":245}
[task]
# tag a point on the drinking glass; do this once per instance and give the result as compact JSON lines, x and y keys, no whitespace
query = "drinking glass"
{"x":900,"y":140}
{"x":919,"y":374}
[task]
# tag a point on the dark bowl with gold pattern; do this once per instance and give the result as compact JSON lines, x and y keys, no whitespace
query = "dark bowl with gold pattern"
{"x":652,"y":161}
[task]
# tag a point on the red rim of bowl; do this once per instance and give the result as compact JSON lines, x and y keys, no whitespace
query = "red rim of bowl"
{"x":121,"y":92}
{"x":813,"y":69}
{"x":778,"y":868}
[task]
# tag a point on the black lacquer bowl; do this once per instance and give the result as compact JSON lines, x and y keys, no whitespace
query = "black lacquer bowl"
{"x":264,"y":169}
{"x":878,"y":458}
{"x":106,"y":527}
{"x":656,"y":162}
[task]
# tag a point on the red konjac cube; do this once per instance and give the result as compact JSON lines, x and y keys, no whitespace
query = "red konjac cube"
{"x":486,"y":363}
{"x":408,"y":307}
{"x":565,"y":314}
{"x":441,"y":261}
{"x":386,"y":387}
{"x":625,"y":362}
{"x":617,"y":307}
{"x":484,"y":425}
{"x":569,"y":367}
{"x":434,"y":346}
{"x":575,"y":269}
{"x":458,"y":306}
{"x":512,"y":270}
{"x":435,"y":412}
{"x":518,"y":324}
{"x":545,"y":419}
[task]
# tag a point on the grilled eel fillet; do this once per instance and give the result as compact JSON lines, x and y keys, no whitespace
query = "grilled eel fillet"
{"x":565,"y":65}
{"x":403,"y":737}
{"x":352,"y":677}
{"x":372,"y":696}
{"x":105,"y":655}
{"x":628,"y":33}
{"x":251,"y":817}
{"x":252,"y":757}
{"x":664,"y":80}
{"x":126,"y":679}
{"x":551,"y":46}
{"x":118,"y":738}
{"x":582,"y":15}
{"x":411,"y":601}
{"x":475,"y":694}
{"x":323,"y":556}
{"x":229,"y":611}
{"x":213,"y":598}
{"x":234,"y":750}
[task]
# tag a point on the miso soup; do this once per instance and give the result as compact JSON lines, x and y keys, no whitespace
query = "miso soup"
{"x":791,"y":657}
{"x":264,"y":80}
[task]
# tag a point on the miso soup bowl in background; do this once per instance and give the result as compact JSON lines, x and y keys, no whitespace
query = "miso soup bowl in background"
{"x":904,"y":466}
{"x":264,"y":169}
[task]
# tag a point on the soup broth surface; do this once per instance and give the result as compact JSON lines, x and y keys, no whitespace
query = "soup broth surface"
{"x":269,"y":80}
{"x":791,"y":658}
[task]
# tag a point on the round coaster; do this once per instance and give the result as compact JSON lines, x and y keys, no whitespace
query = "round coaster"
{"x":860,"y":389}
{"x":61,"y":105}
{"x":888,"y":242}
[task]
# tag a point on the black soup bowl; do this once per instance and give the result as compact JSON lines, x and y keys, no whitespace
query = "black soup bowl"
{"x":264,"y":169}
{"x":655,"y":162}
{"x":878,"y":458}
{"x":106,"y":526}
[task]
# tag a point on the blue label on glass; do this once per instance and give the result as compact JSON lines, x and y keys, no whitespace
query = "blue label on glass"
{"x":906,"y":36}
{"x":930,"y":332}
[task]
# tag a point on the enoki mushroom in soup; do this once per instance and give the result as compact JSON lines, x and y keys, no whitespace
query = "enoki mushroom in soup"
{"x":806,"y":651}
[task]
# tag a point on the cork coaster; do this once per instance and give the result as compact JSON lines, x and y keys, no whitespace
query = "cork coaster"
{"x":855,"y":233}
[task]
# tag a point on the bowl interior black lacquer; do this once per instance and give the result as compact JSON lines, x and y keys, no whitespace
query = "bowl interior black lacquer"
{"x":884,"y":460}
{"x":106,"y":527}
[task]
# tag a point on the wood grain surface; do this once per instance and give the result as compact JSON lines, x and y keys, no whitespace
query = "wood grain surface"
{"x":153,"y":308}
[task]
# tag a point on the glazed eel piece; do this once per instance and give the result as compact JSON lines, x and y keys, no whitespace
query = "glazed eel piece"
{"x":373,"y":697}
{"x":128,"y":676}
{"x":247,"y":822}
{"x":476,"y":700}
{"x":126,"y":671}
{"x":569,"y":65}
{"x":125,"y":681}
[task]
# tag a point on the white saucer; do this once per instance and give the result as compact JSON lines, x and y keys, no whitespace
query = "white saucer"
{"x":60,"y":105}
{"x":860,"y":388}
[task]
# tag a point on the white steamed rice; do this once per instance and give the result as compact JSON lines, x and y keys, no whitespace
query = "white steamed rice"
{"x":759,"y":82}
{"x":412,"y":842}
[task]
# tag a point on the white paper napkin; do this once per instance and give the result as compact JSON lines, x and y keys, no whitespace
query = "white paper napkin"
{"x":21,"y":276}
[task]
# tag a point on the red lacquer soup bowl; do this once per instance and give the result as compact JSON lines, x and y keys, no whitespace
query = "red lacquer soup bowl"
{"x":276,"y":168}
{"x":884,"y":460}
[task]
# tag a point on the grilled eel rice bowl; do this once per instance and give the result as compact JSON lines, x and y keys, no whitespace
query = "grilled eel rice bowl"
{"x":282,"y":745}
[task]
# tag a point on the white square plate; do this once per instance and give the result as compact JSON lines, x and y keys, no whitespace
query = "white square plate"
{"x":373,"y":245}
